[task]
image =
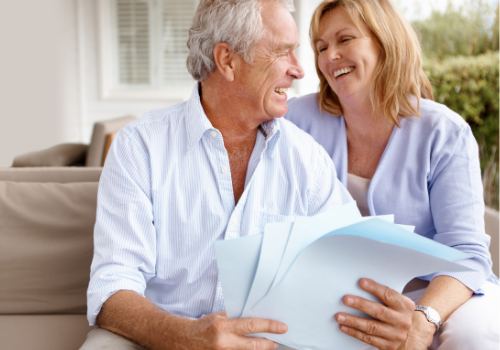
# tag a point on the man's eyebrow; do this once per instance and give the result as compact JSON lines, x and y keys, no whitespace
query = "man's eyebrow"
{"x":285,"y":47}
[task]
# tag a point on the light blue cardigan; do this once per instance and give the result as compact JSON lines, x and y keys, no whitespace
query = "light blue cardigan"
{"x":428,"y":176}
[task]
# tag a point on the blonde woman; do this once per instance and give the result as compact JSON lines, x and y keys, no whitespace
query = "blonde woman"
{"x":398,"y":152}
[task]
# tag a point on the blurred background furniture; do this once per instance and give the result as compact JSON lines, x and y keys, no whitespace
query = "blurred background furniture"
{"x":47,"y":217}
{"x":77,"y":154}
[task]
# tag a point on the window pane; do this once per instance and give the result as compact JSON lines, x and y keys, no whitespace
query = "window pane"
{"x":133,"y":42}
{"x":177,"y":19}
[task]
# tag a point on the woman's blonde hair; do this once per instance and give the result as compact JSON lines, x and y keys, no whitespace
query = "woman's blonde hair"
{"x":399,"y":74}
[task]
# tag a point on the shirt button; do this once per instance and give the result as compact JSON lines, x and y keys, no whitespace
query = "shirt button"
{"x":224,"y":170}
{"x":213,"y":133}
{"x":235,"y":221}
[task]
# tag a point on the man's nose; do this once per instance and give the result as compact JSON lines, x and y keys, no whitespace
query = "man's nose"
{"x":296,"y":70}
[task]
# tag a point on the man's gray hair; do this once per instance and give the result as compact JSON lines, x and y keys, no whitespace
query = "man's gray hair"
{"x":235,"y":22}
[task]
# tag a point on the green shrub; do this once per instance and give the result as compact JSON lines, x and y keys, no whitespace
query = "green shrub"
{"x":470,"y":86}
{"x":470,"y":29}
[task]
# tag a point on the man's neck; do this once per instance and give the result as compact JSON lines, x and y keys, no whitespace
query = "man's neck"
{"x":228,"y":116}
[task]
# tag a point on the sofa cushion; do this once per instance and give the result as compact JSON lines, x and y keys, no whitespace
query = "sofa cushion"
{"x":43,"y":332}
{"x":46,"y":243}
{"x":95,"y":154}
{"x":51,"y":174}
{"x":65,"y":154}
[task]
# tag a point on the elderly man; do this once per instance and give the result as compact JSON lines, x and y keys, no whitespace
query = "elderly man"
{"x":218,"y":166}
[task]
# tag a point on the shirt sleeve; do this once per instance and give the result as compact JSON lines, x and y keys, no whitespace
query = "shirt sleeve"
{"x":457,"y":205}
{"x":326,"y":191}
{"x":124,"y":233}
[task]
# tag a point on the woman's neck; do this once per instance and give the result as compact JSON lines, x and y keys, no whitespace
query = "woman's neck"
{"x":367,"y":136}
{"x":362,"y":123}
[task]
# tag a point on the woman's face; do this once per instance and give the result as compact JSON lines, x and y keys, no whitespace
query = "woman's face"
{"x":347,"y":56}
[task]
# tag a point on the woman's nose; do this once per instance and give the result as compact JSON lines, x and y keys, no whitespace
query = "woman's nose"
{"x":332,"y":54}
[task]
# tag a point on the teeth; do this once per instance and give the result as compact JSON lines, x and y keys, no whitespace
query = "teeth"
{"x":281,"y":91}
{"x":342,"y":71}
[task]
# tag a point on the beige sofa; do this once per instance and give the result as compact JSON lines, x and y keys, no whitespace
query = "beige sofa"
{"x":46,"y":223}
{"x":47,"y":218}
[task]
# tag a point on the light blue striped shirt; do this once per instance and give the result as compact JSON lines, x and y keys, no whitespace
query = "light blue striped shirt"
{"x":165,"y":195}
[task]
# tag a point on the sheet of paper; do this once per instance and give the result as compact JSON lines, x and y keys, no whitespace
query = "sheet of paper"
{"x":298,"y":272}
{"x":307,"y":229}
{"x":237,"y":261}
{"x":386,"y":232}
{"x":271,"y":254}
{"x":311,"y":292}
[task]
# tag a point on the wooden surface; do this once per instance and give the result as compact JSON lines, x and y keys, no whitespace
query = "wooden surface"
{"x":107,"y":145}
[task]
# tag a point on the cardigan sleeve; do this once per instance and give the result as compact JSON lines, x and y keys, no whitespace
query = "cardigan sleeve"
{"x":457,"y":205}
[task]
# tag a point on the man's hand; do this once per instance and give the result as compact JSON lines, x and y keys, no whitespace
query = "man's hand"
{"x":392,"y":319}
{"x":138,"y":319}
{"x":216,"y":331}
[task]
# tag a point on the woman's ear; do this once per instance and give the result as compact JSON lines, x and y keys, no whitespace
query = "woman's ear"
{"x":225,"y":59}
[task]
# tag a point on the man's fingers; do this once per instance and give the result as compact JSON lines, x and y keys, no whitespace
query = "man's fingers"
{"x":258,"y":343}
{"x":388,"y":296}
{"x":258,"y":325}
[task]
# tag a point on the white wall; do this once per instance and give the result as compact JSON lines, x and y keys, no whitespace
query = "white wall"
{"x":38,"y":76}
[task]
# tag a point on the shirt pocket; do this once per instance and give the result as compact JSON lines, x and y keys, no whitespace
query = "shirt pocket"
{"x":262,"y":218}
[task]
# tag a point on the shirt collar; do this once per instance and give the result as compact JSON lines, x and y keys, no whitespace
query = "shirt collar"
{"x":273,"y":131}
{"x":196,"y":120}
{"x":197,"y":123}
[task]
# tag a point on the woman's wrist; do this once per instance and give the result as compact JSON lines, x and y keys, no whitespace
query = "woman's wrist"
{"x":422,"y":329}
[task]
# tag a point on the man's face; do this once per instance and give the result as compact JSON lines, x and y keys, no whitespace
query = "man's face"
{"x":275,"y":66}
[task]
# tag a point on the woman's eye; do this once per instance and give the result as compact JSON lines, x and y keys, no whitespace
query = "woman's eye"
{"x":345,"y":39}
{"x":321,"y":49}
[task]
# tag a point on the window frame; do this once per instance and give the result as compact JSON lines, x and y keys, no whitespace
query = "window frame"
{"x":110,"y":88}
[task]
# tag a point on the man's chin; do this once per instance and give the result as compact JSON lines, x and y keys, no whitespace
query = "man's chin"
{"x":278,"y":112}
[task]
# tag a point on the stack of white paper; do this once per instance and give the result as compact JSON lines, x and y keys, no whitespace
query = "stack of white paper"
{"x":297,"y":273}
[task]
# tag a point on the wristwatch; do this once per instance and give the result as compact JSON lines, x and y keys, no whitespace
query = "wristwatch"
{"x":431,"y":314}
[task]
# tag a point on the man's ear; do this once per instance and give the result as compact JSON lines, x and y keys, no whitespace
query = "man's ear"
{"x":225,"y":59}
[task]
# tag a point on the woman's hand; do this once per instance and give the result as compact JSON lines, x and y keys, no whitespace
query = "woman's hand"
{"x":445,"y":294}
{"x":392,"y":318}
{"x":420,"y":335}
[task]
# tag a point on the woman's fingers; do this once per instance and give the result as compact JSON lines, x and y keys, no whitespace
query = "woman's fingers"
{"x":378,"y":342}
{"x":392,"y":317}
{"x":367,"y":326}
{"x":387,"y":296}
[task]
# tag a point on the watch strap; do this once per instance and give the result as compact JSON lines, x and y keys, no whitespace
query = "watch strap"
{"x":431,"y":315}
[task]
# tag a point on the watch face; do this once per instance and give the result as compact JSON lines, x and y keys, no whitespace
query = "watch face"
{"x":433,"y":314}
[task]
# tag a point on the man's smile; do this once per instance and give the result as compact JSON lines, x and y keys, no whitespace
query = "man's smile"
{"x":281,"y":91}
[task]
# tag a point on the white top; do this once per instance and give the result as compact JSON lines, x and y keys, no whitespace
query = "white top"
{"x":358,"y":188}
